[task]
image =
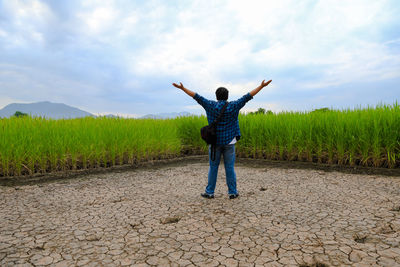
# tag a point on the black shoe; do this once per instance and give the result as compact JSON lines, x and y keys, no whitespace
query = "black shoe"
{"x":232,"y":196}
{"x":205,"y":195}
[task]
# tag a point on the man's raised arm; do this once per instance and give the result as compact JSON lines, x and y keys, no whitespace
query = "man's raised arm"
{"x":261,"y":86}
{"x":187,"y":91}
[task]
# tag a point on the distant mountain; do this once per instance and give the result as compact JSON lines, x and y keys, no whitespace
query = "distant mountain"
{"x":166,"y":115}
{"x":112,"y":116}
{"x":45,"y":109}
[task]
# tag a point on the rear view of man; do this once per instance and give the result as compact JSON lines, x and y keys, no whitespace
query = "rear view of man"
{"x":228,"y":133}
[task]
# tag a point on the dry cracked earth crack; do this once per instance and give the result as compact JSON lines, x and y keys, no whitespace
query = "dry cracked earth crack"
{"x":283,"y":217}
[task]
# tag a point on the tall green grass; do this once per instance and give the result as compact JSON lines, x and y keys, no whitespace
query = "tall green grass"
{"x":367,"y":137}
{"x":37,"y":145}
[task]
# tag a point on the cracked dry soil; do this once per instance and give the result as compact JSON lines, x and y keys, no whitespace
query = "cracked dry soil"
{"x":283,"y":217}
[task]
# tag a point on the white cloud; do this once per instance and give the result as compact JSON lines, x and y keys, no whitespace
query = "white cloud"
{"x":205,"y":45}
{"x":254,"y":105}
{"x":128,"y":24}
{"x":194,"y":107}
{"x":394,"y":41}
{"x":29,"y":19}
{"x":283,"y":34}
{"x":24,"y":82}
{"x":32,"y":10}
{"x":367,"y":62}
{"x":99,"y":20}
{"x":3,"y":33}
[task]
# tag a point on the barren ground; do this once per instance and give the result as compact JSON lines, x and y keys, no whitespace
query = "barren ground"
{"x":155,"y":216}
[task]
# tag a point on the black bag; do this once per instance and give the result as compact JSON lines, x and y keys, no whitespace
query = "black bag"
{"x":209,"y":132}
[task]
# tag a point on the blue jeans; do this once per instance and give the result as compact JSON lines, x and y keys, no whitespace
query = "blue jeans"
{"x":228,"y":151}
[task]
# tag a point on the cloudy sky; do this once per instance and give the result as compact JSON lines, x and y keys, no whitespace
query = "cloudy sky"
{"x":121,"y":57}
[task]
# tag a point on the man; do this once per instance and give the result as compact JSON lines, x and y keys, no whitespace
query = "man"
{"x":228,"y":133}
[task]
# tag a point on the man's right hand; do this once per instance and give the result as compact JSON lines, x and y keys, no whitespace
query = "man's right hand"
{"x":261,"y":86}
{"x":179,"y":86}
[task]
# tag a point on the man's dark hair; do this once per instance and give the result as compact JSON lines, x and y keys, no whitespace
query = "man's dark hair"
{"x":222,"y":93}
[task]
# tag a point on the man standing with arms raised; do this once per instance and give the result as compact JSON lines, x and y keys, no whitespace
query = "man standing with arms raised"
{"x":228,"y":133}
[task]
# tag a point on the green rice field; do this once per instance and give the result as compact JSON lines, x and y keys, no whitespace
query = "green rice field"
{"x":365,"y":137}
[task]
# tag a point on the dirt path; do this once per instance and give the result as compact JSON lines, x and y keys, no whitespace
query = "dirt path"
{"x":157,"y":217}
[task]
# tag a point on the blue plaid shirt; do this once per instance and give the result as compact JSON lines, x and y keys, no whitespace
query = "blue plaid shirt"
{"x":228,"y":126}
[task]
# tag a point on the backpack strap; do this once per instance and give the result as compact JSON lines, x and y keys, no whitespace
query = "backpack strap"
{"x":220,"y":114}
{"x":213,"y":148}
{"x":213,"y":152}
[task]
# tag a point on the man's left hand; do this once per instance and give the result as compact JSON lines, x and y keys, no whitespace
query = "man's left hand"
{"x":263,"y":83}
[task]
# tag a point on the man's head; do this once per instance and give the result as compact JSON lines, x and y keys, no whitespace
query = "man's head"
{"x":222,"y":93}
